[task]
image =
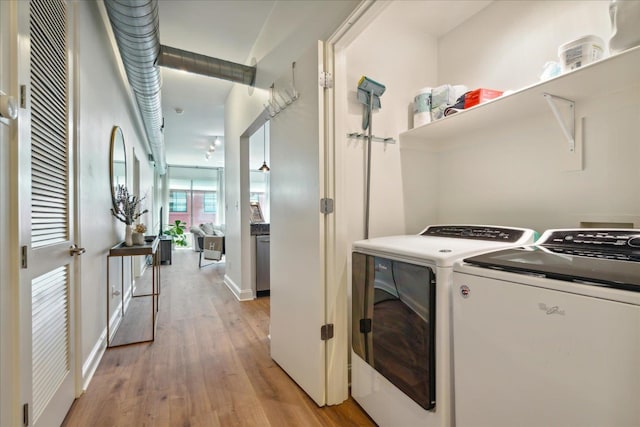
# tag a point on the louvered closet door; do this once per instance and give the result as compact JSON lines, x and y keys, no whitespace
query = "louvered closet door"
{"x":47,"y":334}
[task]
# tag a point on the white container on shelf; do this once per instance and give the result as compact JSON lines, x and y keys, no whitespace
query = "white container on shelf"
{"x":422,"y":107}
{"x":579,"y":52}
{"x":625,"y":27}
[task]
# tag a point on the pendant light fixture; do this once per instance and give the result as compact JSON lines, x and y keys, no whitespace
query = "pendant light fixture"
{"x":264,"y":168}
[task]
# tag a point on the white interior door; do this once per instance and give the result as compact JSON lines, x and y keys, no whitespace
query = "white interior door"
{"x":297,"y":230}
{"x":46,"y":206}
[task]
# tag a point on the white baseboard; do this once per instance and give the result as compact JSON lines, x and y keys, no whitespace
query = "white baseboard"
{"x":114,"y":322}
{"x":95,"y":356}
{"x":91,"y":363}
{"x":241,"y":295}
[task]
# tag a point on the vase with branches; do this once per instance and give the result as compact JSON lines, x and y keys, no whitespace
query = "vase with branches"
{"x":127,"y":209}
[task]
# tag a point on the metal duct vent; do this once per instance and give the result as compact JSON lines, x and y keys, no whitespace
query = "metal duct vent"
{"x":135,"y":27}
{"x":179,"y":59}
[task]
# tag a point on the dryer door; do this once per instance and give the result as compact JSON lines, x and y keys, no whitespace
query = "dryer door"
{"x":393,"y":306}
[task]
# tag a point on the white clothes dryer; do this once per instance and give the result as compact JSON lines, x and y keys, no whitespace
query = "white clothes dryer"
{"x":401,"y":339}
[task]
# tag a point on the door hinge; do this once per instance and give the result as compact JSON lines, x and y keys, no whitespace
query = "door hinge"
{"x":23,"y":96}
{"x":326,"y":332}
{"x":23,"y":257}
{"x":326,"y":206}
{"x":325,"y":79}
{"x":25,"y":414}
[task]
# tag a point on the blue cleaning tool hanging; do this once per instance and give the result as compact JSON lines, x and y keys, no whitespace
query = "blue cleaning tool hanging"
{"x":369,"y":93}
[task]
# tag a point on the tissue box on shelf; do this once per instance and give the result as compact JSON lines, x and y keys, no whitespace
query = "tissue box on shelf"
{"x":479,"y":96}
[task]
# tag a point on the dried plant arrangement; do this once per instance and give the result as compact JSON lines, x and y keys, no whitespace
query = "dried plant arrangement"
{"x":127,"y":206}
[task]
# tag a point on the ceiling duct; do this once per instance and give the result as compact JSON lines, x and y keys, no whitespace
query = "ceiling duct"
{"x":179,"y":59}
{"x":135,"y":26}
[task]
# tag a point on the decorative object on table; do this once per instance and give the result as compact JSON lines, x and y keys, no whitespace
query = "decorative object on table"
{"x":127,"y":210}
{"x":176,"y":232}
{"x":128,"y":235}
{"x":138,"y":234}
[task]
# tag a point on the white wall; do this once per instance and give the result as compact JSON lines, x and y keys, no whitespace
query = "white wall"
{"x":242,"y":110}
{"x":103,"y":103}
{"x":403,"y":60}
{"x":506,"y":44}
{"x":514,"y":175}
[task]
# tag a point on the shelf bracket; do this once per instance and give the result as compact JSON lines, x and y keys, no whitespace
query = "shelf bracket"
{"x":568,"y":125}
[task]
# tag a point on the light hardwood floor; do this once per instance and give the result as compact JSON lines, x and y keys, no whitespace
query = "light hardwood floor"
{"x":209,"y":365}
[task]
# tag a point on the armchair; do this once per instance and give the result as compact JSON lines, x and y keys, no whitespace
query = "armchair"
{"x":208,"y":240}
{"x":212,"y":249}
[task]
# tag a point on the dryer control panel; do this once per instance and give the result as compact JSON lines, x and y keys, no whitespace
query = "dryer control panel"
{"x":474,"y":232}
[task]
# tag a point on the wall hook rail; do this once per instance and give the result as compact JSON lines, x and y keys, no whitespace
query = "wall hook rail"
{"x":568,"y":124}
{"x":357,"y":135}
{"x":280,"y":100}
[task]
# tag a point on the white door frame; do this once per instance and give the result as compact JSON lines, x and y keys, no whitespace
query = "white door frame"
{"x":337,"y":252}
{"x":9,"y":261}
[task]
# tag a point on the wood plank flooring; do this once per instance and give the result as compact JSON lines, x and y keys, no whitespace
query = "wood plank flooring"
{"x":209,"y":365}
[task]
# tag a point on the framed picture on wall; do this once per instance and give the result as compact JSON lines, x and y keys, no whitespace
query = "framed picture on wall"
{"x":256,"y":213}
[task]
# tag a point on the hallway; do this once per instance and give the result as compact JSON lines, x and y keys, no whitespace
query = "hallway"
{"x":209,"y":366}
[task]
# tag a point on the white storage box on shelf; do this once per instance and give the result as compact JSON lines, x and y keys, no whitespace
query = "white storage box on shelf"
{"x":580,"y":52}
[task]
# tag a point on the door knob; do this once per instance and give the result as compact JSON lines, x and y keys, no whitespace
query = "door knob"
{"x":75,"y":250}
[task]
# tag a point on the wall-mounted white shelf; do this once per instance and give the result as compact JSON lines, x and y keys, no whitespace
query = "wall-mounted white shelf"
{"x":615,"y":73}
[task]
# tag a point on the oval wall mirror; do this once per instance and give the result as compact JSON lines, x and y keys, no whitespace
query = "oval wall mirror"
{"x":118,"y":161}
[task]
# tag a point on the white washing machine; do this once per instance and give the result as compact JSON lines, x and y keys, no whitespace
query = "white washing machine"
{"x":549,"y":335}
{"x":401,"y":356}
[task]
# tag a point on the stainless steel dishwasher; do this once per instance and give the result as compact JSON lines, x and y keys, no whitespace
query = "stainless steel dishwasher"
{"x":262,"y":264}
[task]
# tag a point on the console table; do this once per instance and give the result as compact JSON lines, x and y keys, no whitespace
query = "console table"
{"x":120,"y":250}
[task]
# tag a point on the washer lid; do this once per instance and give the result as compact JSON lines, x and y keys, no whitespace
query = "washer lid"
{"x":562,"y":264}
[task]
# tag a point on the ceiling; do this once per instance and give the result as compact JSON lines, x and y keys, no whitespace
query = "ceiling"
{"x":268,"y":33}
{"x":239,"y":31}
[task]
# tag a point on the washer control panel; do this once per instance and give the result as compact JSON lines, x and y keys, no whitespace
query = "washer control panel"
{"x":604,"y":239}
{"x":474,"y":232}
{"x":623,"y":245}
